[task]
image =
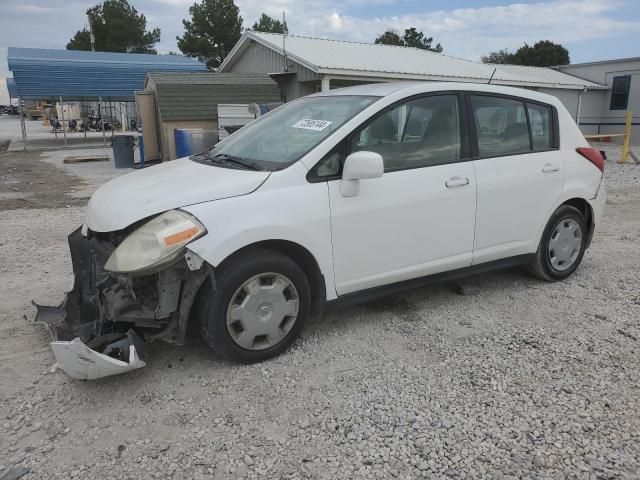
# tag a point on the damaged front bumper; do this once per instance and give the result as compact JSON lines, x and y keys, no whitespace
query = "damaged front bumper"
{"x":104,"y":323}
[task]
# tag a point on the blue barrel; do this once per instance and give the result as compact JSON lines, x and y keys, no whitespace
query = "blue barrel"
{"x":184,"y":147}
{"x":141,"y":147}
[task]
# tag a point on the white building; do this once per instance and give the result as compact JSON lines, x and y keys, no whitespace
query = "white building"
{"x":604,"y":111}
{"x":303,"y":65}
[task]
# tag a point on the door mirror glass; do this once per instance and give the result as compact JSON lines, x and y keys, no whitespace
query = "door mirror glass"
{"x":362,"y":165}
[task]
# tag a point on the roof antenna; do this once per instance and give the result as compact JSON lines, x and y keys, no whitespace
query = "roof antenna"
{"x":284,"y":37}
{"x":491,"y":78}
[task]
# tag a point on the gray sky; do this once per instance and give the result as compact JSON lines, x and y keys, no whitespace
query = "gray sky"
{"x":590,"y":29}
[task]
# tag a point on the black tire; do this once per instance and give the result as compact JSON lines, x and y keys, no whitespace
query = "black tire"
{"x":541,"y":265}
{"x":228,"y":278}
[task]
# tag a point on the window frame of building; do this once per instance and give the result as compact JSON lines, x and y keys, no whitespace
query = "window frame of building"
{"x":627,"y":90}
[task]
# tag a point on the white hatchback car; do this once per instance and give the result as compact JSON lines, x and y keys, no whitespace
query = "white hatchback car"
{"x":336,"y":196}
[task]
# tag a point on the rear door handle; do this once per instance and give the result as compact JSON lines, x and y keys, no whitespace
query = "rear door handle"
{"x":456,"y":182}
{"x":550,"y":168}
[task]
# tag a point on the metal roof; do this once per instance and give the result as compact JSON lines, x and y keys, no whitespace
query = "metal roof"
{"x":599,"y":62}
{"x":77,"y":75}
{"x":539,"y":76}
{"x":195,"y":96}
{"x":209,"y":78}
{"x":337,"y":57}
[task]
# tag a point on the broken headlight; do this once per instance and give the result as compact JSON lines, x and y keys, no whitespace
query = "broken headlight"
{"x":155,"y":244}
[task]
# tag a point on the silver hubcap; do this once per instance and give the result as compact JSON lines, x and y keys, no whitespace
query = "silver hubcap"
{"x":565,"y":244}
{"x":262,"y":311}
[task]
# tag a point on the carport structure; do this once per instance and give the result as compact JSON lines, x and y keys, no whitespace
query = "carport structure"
{"x":67,"y":75}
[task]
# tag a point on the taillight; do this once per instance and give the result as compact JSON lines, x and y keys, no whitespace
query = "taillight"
{"x":593,"y":155}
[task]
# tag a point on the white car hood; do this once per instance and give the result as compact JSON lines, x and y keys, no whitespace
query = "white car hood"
{"x":178,"y":183}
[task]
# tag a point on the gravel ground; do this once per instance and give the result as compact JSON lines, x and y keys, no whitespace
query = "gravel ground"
{"x":513,"y":378}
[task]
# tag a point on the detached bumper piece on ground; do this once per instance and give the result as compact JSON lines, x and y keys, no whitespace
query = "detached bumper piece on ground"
{"x":104,"y":324}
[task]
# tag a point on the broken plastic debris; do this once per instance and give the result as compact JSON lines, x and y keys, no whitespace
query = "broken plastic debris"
{"x":80,"y":362}
{"x":101,"y":356}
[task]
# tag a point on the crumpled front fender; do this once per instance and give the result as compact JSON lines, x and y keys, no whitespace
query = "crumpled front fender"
{"x":101,"y":327}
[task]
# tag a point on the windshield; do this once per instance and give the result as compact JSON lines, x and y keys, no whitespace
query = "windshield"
{"x":284,"y":136}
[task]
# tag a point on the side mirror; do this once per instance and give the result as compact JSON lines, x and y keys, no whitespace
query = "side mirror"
{"x":359,"y":166}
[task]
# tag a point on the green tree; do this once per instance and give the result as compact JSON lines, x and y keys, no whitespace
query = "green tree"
{"x":542,"y":54}
{"x":213,"y":30}
{"x":269,"y":25}
{"x":117,"y":27}
{"x":411,"y":38}
{"x":390,"y":37}
{"x":500,"y":57}
{"x":416,"y":39}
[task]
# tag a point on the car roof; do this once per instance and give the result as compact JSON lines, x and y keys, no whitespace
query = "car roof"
{"x":413,"y":88}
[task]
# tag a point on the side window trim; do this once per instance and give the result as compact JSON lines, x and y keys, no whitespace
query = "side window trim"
{"x":555,"y":129}
{"x":474,"y":150}
{"x":312,"y":174}
{"x":526,"y":114}
{"x":465,"y":155}
{"x":462,"y":127}
{"x":465,"y":137}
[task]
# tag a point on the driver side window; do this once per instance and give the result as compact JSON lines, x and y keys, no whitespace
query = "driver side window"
{"x":418,"y":133}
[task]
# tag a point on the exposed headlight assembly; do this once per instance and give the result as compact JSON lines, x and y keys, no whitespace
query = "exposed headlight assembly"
{"x":155,"y":244}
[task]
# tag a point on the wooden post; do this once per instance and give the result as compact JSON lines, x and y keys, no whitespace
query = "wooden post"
{"x":627,"y":138}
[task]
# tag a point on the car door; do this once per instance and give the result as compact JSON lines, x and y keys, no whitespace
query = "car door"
{"x":418,"y":218}
{"x":518,"y":170}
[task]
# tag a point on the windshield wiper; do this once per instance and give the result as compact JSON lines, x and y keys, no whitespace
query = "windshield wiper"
{"x":223,"y":158}
{"x":236,"y":160}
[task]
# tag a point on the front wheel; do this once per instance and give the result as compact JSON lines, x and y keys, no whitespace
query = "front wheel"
{"x":262,"y":301}
{"x":562,"y":245}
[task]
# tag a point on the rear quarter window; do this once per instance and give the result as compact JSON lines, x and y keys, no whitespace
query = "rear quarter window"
{"x":541,"y":121}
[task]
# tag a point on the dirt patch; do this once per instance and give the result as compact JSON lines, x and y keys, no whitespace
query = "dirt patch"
{"x":29,"y":182}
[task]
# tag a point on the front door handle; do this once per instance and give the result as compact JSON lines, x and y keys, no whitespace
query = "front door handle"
{"x":550,"y":168}
{"x":456,"y":182}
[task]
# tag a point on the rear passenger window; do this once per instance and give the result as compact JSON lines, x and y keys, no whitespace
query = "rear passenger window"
{"x":541,"y":126}
{"x":501,"y":126}
{"x":419,"y":133}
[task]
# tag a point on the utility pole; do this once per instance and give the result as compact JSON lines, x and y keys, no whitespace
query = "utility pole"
{"x":284,"y":38}
{"x":92,"y":37}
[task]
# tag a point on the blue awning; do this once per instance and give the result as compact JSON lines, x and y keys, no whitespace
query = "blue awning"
{"x":42,"y":74}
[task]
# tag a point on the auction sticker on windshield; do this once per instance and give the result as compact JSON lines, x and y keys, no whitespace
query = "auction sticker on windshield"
{"x":309,"y":124}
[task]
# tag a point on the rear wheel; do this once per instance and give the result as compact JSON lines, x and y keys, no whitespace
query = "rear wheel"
{"x":562,"y":246}
{"x":260,"y":305}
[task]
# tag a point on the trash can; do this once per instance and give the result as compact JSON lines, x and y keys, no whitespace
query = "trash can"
{"x":123,"y":151}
